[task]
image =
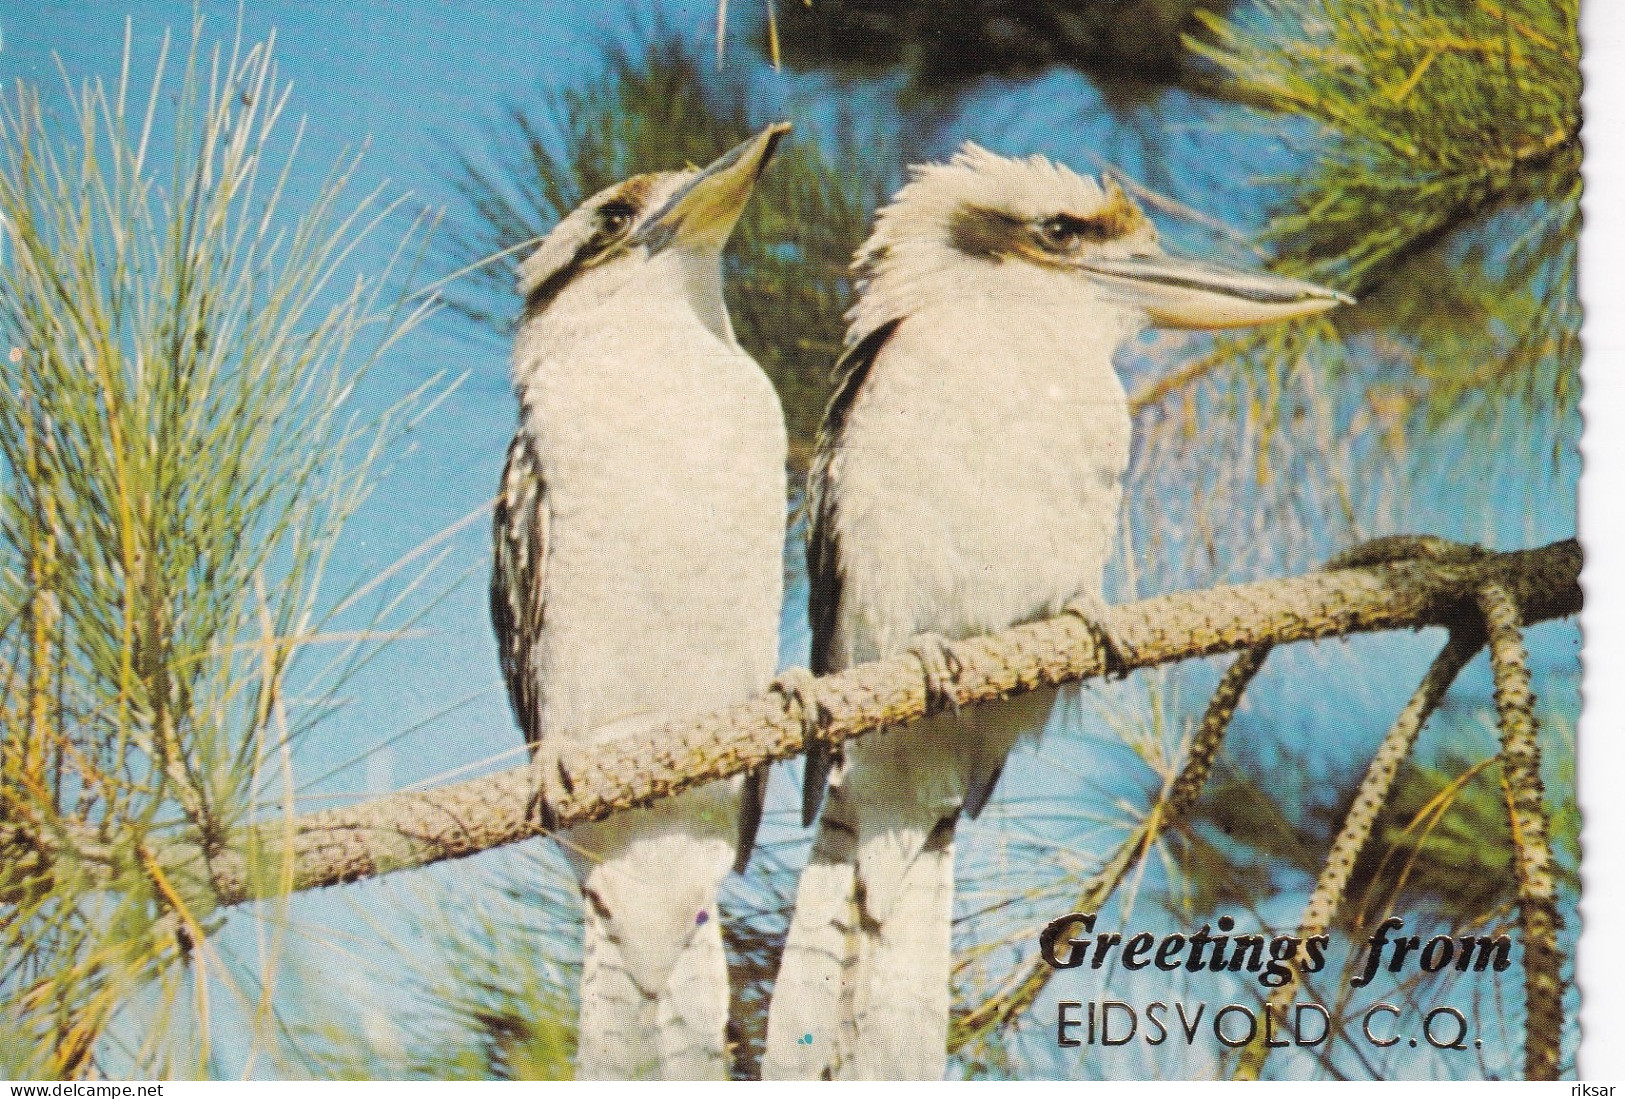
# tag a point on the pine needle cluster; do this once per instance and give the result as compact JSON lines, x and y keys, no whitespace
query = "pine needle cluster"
{"x":178,"y":456}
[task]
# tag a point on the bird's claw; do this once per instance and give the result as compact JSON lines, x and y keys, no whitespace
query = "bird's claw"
{"x":799,"y":688}
{"x":1094,"y":613}
{"x":941,"y":670}
{"x":556,"y":765}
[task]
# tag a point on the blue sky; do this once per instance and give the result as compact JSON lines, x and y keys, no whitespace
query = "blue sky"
{"x":411,"y":78}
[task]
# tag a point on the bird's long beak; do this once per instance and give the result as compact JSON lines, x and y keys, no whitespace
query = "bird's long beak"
{"x":1185,"y":293}
{"x":705,"y":210}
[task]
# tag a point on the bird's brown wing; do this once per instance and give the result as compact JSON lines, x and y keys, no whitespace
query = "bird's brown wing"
{"x":824,"y":539}
{"x":518,"y":573}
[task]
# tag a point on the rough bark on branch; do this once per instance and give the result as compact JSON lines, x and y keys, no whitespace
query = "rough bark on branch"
{"x":1532,"y":862}
{"x":405,"y":830}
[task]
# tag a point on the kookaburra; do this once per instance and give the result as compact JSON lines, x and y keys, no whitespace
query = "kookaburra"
{"x":968,"y":477}
{"x":638,"y":576}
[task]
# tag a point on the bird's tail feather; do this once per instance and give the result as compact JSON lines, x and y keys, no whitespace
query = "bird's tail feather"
{"x":900,"y":1000}
{"x":862,"y":990}
{"x":654,"y":979}
{"x":628,"y":1032}
{"x":811,"y":995}
{"x":752,"y":801}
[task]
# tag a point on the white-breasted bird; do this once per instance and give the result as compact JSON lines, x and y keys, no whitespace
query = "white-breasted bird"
{"x":638,"y":576}
{"x":968,"y":478}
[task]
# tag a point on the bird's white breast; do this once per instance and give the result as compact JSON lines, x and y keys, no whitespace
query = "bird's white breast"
{"x":663,"y":448}
{"x":979,"y":477}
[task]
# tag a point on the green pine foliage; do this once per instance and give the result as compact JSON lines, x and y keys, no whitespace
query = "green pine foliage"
{"x":1445,"y":156}
{"x":1441,"y":844}
{"x":1440,"y":113}
{"x":178,"y":457}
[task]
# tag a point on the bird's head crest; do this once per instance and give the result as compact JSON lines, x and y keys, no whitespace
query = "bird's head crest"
{"x":692,"y":211}
{"x":1035,"y":226}
{"x":995,"y":208}
{"x":592,"y":234}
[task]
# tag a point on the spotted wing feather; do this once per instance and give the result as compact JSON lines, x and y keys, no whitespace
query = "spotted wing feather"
{"x":518,"y":575}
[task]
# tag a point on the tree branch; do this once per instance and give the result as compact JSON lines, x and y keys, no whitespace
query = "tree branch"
{"x":1531,"y":835}
{"x":406,"y":830}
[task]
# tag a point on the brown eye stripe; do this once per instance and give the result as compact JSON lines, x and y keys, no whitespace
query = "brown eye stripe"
{"x":986,"y":234}
{"x":1119,"y":218}
{"x":629,"y":197}
{"x":591,"y":252}
{"x":993,"y":234}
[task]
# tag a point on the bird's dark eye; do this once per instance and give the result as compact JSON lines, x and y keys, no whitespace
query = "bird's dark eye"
{"x":1062,"y":234}
{"x":614,"y":218}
